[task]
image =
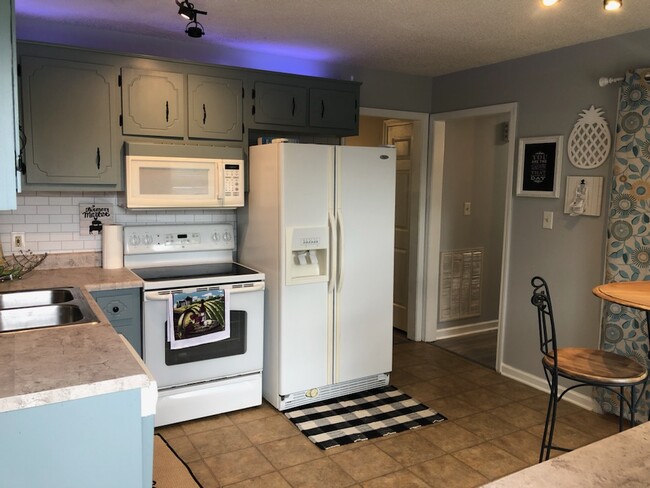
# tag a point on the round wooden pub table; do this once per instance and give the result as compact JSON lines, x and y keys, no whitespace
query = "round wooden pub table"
{"x":634,"y":294}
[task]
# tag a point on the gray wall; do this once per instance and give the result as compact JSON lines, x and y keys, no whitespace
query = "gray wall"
{"x":475,"y":171}
{"x":551,"y":89}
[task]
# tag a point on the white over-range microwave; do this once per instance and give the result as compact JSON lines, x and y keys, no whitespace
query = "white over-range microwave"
{"x":183,"y":182}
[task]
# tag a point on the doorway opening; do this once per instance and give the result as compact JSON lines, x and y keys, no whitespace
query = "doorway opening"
{"x":468,"y":222}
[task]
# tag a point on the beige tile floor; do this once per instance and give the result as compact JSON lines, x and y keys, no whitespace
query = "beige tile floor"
{"x":494,"y":428}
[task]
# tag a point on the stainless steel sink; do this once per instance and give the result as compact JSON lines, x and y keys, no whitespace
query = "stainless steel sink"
{"x":34,"y":309}
{"x":35,"y":298}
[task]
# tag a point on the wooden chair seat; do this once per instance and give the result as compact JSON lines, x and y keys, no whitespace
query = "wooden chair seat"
{"x":596,"y":366}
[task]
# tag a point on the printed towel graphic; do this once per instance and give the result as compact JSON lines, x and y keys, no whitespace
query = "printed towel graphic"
{"x":198,"y":318}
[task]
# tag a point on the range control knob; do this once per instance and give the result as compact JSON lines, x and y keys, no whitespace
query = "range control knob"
{"x":216,"y":237}
{"x":134,"y":240}
{"x":148,"y":240}
{"x":227,"y":236}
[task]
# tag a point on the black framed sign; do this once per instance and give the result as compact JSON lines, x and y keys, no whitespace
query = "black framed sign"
{"x":540,"y":165}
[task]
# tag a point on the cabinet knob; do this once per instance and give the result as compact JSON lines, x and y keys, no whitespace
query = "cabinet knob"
{"x":116,"y":309}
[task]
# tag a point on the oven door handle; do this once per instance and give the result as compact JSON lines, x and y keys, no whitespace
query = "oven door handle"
{"x":155,"y":296}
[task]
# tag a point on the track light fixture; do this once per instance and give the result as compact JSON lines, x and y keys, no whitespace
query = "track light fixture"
{"x":187,"y":11}
{"x":612,"y":4}
{"x":194,"y":28}
{"x":607,"y":4}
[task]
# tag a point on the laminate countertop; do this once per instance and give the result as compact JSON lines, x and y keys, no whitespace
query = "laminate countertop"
{"x":56,"y":364}
{"x":616,"y":461}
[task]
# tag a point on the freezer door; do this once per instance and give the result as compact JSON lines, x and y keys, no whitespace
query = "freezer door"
{"x":365,"y":215}
{"x":305,"y":329}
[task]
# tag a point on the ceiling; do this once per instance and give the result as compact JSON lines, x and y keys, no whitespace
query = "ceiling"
{"x":420,"y":37}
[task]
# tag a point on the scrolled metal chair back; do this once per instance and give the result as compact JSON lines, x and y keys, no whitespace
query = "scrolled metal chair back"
{"x":542,"y":300}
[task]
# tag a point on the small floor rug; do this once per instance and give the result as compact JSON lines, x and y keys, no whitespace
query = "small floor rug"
{"x":169,"y":471}
{"x":361,"y":416}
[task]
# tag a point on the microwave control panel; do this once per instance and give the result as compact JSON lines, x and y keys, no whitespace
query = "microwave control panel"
{"x":233,"y":183}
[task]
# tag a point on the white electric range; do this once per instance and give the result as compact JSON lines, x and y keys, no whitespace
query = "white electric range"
{"x":204,"y":379}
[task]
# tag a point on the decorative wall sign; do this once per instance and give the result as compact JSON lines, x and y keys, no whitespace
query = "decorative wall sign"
{"x":583,"y":196}
{"x":92,"y":217}
{"x":590,"y":140}
{"x":540,"y":166}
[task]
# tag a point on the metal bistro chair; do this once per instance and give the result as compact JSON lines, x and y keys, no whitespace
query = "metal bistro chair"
{"x":587,"y":367}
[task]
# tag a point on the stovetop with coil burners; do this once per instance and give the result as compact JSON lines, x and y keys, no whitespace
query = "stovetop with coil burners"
{"x":184,"y":255}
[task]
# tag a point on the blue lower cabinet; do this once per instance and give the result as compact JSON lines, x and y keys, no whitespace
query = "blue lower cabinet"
{"x":100,"y":441}
{"x":124,"y":311}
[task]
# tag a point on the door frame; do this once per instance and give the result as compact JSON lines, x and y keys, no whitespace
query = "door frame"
{"x":434,"y":217}
{"x":415,"y":328}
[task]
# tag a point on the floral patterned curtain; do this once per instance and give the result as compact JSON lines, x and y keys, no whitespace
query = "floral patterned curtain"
{"x":625,"y":330}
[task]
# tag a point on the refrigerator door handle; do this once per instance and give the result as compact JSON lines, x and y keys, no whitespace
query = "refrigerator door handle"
{"x":332,"y":262}
{"x":339,"y":250}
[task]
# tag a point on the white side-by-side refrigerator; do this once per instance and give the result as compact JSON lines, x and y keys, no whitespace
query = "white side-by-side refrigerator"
{"x":319,"y":222}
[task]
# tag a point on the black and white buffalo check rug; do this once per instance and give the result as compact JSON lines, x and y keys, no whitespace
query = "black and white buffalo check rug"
{"x":361,"y":416}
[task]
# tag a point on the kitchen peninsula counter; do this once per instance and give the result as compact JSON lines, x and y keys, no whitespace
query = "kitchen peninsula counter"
{"x":617,"y":460}
{"x":69,"y":362}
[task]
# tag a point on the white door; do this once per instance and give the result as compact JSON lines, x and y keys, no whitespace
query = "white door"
{"x":399,"y":133}
{"x":305,"y":351}
{"x":365,"y":214}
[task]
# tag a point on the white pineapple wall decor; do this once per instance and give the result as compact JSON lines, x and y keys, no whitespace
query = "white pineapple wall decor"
{"x":590,"y":140}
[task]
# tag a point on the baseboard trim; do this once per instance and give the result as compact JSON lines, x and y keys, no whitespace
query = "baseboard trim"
{"x":462,"y":330}
{"x":539,"y":383}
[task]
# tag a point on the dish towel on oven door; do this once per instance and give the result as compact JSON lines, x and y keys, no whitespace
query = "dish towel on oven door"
{"x":198,"y":318}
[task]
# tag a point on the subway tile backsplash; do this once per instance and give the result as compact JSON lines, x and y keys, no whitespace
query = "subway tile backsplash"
{"x":50,"y":220}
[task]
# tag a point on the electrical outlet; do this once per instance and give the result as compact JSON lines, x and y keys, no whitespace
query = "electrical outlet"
{"x":17,"y":241}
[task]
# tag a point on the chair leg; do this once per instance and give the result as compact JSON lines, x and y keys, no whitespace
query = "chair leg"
{"x":632,"y":406}
{"x":549,"y":424}
{"x":620,"y":409}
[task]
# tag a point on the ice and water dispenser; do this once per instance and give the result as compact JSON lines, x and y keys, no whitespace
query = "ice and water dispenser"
{"x":307,"y":255}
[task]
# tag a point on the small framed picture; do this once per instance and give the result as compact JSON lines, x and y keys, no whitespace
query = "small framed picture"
{"x":540,"y":165}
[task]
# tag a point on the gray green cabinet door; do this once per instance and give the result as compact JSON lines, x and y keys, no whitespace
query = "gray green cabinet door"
{"x":153,"y":103}
{"x":71,"y":122}
{"x":333,"y":108}
{"x":215,"y":108}
{"x":280,"y":104}
{"x":8,"y":115}
{"x":123,"y":310}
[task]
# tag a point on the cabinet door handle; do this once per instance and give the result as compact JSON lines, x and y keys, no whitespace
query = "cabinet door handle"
{"x":204,"y":114}
{"x":293,"y":106}
{"x":167,"y":111}
{"x":99,"y":159}
{"x":116,"y":309}
{"x":322,"y":109}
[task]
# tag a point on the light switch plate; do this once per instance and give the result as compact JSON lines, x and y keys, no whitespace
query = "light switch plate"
{"x":467,"y":208}
{"x":548,"y":220}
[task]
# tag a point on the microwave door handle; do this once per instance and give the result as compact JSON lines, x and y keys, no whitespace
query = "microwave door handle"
{"x":220,"y":182}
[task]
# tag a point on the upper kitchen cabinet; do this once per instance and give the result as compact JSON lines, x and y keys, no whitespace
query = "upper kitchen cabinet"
{"x":333,"y":109}
{"x":301,"y":104}
{"x":70,"y":118}
{"x":153,"y":103}
{"x":160,"y":103}
{"x":9,"y":145}
{"x":279,"y":104}
{"x":215,"y":108}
